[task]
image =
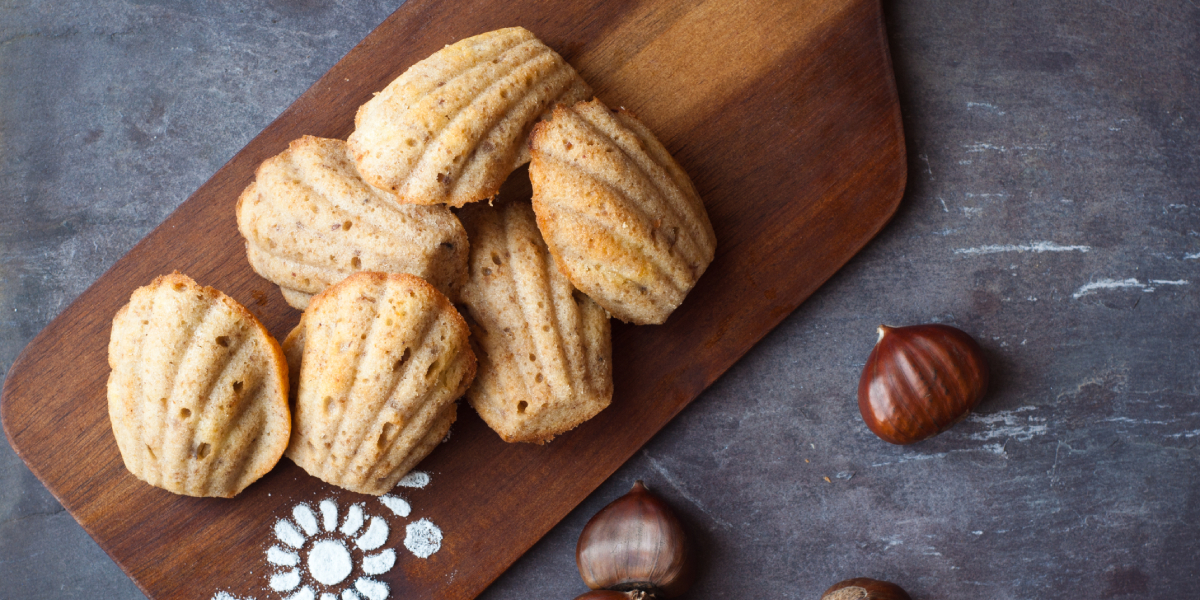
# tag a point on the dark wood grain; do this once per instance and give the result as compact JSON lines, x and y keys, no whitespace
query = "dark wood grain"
{"x":788,"y":122}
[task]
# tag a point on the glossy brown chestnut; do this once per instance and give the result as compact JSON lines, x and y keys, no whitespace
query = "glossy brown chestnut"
{"x":863,"y":588}
{"x":920,"y":380}
{"x":612,"y":595}
{"x":635,"y":544}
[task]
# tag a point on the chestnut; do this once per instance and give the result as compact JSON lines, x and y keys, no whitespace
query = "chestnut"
{"x":862,"y":588}
{"x":636,"y":546}
{"x":920,"y":380}
{"x":611,"y":595}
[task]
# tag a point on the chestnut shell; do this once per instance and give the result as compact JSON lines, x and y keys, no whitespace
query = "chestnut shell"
{"x":920,"y":380}
{"x":863,"y":588}
{"x":635,"y":544}
{"x":612,"y":595}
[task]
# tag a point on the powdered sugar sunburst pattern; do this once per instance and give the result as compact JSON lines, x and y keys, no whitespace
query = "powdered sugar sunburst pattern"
{"x":315,"y":553}
{"x":319,"y":557}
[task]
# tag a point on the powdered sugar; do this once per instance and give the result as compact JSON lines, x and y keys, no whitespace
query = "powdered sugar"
{"x":376,"y":535}
{"x":325,"y":555}
{"x":329,"y":562}
{"x":397,"y":505}
{"x":414,"y":479}
{"x":226,"y":596}
{"x":379,"y":563}
{"x":328,"y":514}
{"x":305,"y":593}
{"x":282,"y":558}
{"x":286,"y":532}
{"x":423,"y":538}
{"x":305,"y":518}
{"x":318,"y":551}
{"x":282,"y":582}
{"x":372,"y":589}
{"x":354,"y":520}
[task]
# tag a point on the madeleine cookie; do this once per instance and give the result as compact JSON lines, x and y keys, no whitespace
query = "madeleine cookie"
{"x":382,"y":358}
{"x":198,"y":390}
{"x":620,"y":216}
{"x":309,"y":221}
{"x":452,"y":127}
{"x":545,"y":349}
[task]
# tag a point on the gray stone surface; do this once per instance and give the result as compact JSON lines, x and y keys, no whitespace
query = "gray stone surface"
{"x":1051,"y":212}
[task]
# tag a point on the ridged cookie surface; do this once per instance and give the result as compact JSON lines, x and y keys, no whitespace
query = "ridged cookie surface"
{"x":383,"y":357}
{"x":545,"y":364}
{"x":622,"y":219}
{"x":453,"y":126}
{"x":197,"y":396}
{"x":309,"y":221}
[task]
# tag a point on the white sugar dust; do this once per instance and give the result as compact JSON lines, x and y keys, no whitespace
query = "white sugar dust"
{"x":223,"y":595}
{"x":379,"y":563}
{"x":414,"y":479}
{"x":319,"y":548}
{"x":282,"y":582}
{"x":286,"y":532}
{"x":354,"y":520}
{"x":397,"y":505}
{"x":423,"y":538}
{"x":329,"y":562}
{"x":328,"y":514}
{"x":370,"y":588}
{"x":305,"y":518}
{"x":376,"y":535}
{"x":314,"y":553}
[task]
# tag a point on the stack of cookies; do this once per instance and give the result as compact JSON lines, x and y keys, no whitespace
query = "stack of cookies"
{"x":365,"y":237}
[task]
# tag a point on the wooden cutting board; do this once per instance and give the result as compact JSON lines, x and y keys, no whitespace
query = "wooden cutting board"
{"x":784,"y":113}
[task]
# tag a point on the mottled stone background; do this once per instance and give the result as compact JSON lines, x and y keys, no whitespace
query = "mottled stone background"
{"x":1052,"y":212}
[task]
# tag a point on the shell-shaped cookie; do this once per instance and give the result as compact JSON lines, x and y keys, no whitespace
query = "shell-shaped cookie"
{"x":309,"y":220}
{"x":621,"y":217}
{"x":545,"y":349}
{"x":453,"y":126}
{"x":197,"y":396}
{"x":293,"y":350}
{"x":383,"y":357}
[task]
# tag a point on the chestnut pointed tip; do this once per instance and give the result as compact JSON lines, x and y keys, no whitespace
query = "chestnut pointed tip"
{"x":882,"y":329}
{"x":638,"y":486}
